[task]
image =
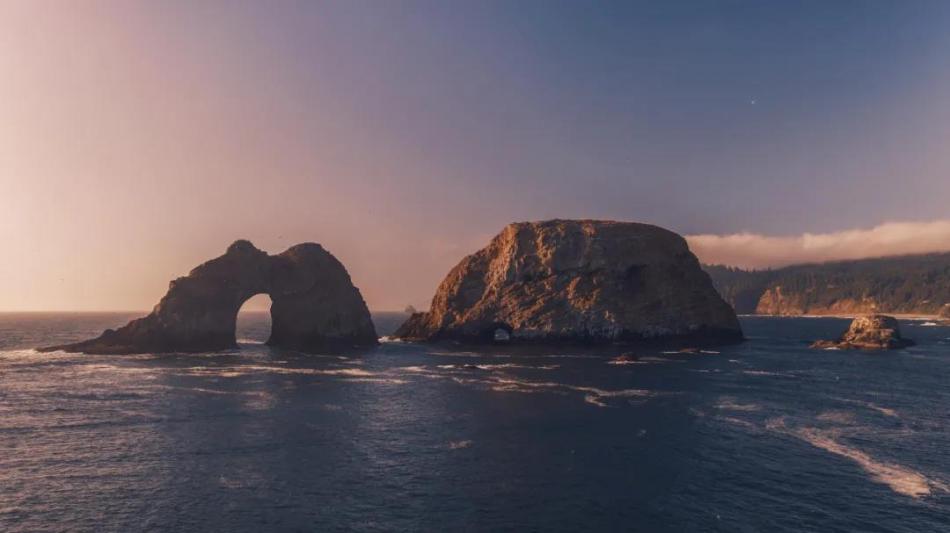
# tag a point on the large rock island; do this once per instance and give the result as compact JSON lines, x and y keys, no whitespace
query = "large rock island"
{"x":315,"y":306}
{"x":872,"y":332}
{"x":577,"y":281}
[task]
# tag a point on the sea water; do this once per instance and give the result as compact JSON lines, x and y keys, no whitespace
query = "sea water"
{"x":767,"y":435}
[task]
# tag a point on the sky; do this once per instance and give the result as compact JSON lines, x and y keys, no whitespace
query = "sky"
{"x":138,"y":139}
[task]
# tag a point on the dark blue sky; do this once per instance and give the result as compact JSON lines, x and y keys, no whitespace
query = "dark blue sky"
{"x":705,"y":116}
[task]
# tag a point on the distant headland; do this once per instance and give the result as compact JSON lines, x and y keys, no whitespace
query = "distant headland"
{"x":901,"y":285}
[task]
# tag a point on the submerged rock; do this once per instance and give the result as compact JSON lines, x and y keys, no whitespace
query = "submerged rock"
{"x":872,"y":332}
{"x":577,"y":281}
{"x":314,"y":307}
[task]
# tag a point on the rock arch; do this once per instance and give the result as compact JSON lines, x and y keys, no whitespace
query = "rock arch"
{"x":315,"y":306}
{"x":498,"y":332}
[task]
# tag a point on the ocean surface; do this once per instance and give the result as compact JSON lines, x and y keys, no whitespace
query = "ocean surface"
{"x":767,"y":435}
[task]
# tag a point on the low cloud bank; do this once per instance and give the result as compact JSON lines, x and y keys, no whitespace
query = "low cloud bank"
{"x":751,"y":250}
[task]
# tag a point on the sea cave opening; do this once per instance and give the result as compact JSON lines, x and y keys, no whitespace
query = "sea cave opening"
{"x":501,"y":335}
{"x":253,"y":323}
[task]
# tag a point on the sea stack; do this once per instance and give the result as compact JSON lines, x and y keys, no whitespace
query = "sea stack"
{"x":872,"y":332}
{"x":583,"y":281}
{"x":315,"y":306}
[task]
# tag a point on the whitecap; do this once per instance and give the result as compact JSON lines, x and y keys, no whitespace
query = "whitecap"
{"x":900,"y":479}
{"x":837,"y":417}
{"x":768,"y":373}
{"x":737,"y":422}
{"x":729,"y":403}
{"x":886,"y":411}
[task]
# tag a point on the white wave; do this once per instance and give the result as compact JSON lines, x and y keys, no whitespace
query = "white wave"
{"x":385,"y":381}
{"x":621,"y":362}
{"x":414,"y":368}
{"x":459,"y":444}
{"x":886,"y":411}
{"x":767,"y":373}
{"x":594,"y":400}
{"x":509,"y":356}
{"x":730,"y":404}
{"x":244,"y":370}
{"x":738,"y":422}
{"x":900,"y":479}
{"x":593,"y":395}
{"x":837,"y":417}
{"x":661,"y":360}
{"x":498,"y":366}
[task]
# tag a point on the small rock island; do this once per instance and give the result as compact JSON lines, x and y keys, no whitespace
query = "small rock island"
{"x":315,"y":306}
{"x":581,"y":281}
{"x":871,"y":332}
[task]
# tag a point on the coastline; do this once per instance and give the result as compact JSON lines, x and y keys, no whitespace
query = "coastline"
{"x":899,"y":316}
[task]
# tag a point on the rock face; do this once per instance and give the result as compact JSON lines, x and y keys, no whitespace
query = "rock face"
{"x":315,"y":306}
{"x":577,"y":281}
{"x":872,"y":332}
{"x":776,"y":302}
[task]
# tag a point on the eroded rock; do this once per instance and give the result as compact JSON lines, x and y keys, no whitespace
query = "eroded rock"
{"x":315,"y":306}
{"x":577,"y":281}
{"x":871,"y":332}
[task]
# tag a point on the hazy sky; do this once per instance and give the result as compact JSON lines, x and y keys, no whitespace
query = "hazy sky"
{"x":139,"y":139}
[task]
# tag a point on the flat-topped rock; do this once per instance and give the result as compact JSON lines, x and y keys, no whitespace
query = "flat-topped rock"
{"x":315,"y":306}
{"x":583,"y":281}
{"x":871,"y":332}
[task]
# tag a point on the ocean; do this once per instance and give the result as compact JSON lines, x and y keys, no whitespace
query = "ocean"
{"x":767,"y":435}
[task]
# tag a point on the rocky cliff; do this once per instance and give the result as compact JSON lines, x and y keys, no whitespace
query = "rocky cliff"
{"x":872,"y":332}
{"x":315,"y":306}
{"x":577,"y":281}
{"x":776,"y":301}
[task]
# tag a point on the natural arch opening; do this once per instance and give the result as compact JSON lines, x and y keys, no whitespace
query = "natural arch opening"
{"x":500,"y":332}
{"x":253,"y":323}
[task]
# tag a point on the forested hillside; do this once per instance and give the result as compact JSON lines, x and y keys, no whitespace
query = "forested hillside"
{"x":905,"y":284}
